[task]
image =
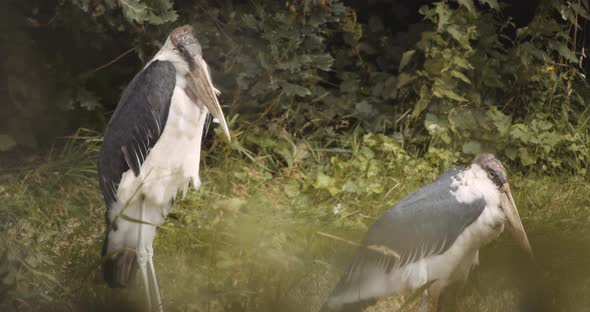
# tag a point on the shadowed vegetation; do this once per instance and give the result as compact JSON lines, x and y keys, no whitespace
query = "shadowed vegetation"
{"x":338,"y":109}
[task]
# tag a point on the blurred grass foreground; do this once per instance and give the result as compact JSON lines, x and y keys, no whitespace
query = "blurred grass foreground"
{"x":249,"y":239}
{"x":338,"y":109}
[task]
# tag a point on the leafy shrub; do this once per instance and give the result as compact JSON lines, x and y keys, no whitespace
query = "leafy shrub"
{"x":476,"y":89}
{"x":465,"y":79}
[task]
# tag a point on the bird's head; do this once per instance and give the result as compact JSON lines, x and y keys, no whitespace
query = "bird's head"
{"x":493,"y":167}
{"x":497,"y":174}
{"x":186,"y":44}
{"x":199,"y":86}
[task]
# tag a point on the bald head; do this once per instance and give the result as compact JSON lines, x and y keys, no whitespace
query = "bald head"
{"x":493,"y":167}
{"x":186,"y":44}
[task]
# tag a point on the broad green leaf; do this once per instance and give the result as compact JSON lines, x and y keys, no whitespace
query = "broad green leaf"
{"x":463,"y":119}
{"x":542,"y":125}
{"x":461,"y":76}
{"x":462,"y":62}
{"x":550,"y":141}
{"x":373,"y":169}
{"x":447,"y":93}
{"x":526,"y":158}
{"x":511,"y":153}
{"x":375,"y":188}
{"x":527,"y":49}
{"x":323,"y":181}
{"x":350,"y":187}
{"x":439,"y":40}
{"x":423,"y":102}
{"x":138,"y":11}
{"x":323,"y":61}
{"x":460,"y":36}
{"x":520,"y":132}
{"x":444,"y":15}
{"x":501,"y":121}
{"x":406,"y":57}
{"x":434,"y":67}
{"x":437,"y":127}
{"x":294,"y":89}
{"x":370,"y":139}
{"x":580,"y":10}
{"x":568,"y":15}
{"x":567,"y":53}
{"x":326,"y":182}
{"x":471,"y":147}
{"x":403,"y":79}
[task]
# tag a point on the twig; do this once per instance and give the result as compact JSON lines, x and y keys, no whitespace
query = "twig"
{"x":90,"y":72}
{"x":340,"y":239}
{"x":377,"y":248}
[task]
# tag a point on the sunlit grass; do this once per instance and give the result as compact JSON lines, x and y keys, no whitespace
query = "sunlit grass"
{"x":248,"y":240}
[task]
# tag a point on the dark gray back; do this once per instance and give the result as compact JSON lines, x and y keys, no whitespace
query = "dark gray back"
{"x":425,"y":223}
{"x":136,"y":125}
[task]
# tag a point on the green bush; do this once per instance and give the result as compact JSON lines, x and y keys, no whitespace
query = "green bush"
{"x":476,"y":89}
{"x":464,"y":80}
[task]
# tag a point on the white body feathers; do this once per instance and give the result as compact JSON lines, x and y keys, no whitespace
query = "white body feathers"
{"x":171,"y":165}
{"x":451,"y":266}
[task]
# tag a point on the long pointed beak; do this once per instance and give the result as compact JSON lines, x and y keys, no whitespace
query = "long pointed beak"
{"x":515,"y":224}
{"x":200,"y":89}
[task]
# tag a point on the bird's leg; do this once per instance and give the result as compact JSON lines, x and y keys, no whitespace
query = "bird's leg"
{"x":150,"y":261}
{"x":142,"y":256}
{"x":424,"y":304}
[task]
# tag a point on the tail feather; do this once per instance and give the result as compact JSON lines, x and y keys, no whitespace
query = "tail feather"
{"x":356,"y":290}
{"x":118,"y":269}
{"x":338,"y":301}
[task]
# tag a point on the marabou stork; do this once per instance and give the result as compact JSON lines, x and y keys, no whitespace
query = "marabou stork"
{"x":151,"y":150}
{"x":431,"y":238}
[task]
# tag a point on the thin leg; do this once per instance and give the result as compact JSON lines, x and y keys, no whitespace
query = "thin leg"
{"x":154,"y":279}
{"x":424,"y":304}
{"x":142,"y":258}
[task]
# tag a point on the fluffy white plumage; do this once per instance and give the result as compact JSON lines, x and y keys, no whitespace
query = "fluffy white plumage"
{"x":455,"y":264}
{"x":171,"y":165}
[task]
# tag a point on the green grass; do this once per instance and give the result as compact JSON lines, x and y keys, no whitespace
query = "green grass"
{"x":248,"y":240}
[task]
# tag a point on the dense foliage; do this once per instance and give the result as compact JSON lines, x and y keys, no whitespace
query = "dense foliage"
{"x":479,"y":88}
{"x":464,"y":78}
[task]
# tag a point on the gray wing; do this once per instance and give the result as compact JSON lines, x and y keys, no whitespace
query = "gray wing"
{"x":423,"y":224}
{"x":136,"y":125}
